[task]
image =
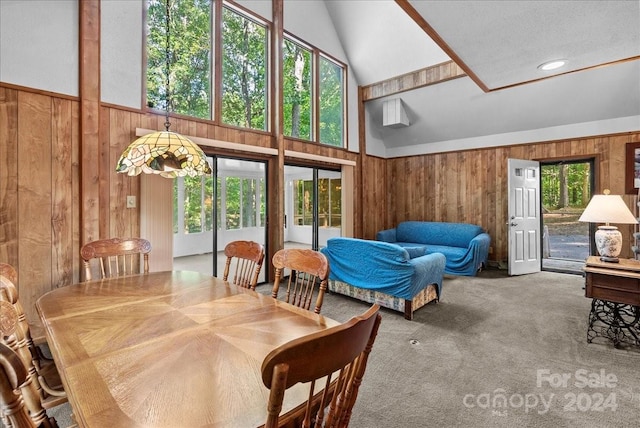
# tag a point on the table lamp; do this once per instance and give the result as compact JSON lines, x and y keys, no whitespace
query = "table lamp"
{"x":607,"y":209}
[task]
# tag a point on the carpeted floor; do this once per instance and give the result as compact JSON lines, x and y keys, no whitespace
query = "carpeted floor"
{"x":494,"y":337}
{"x":497,"y":351}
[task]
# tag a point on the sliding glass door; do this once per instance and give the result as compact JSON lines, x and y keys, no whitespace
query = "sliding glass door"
{"x":313,"y":206}
{"x":209,"y":212}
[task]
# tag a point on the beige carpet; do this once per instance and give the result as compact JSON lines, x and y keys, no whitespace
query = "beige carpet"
{"x":497,"y":351}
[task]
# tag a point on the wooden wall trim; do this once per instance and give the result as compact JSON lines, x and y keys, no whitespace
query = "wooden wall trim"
{"x":275,"y":175}
{"x":319,"y":158}
{"x":358,"y":183}
{"x":433,"y":34}
{"x":227,"y":145}
{"x":406,"y":6}
{"x":9,"y":176}
{"x":432,"y":75}
{"x":38,"y":91}
{"x":89,"y":89}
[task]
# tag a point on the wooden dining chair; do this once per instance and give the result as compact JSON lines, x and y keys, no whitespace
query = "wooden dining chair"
{"x":247,"y":258}
{"x":33,"y":334}
{"x":338,"y":356}
{"x":309,"y":275}
{"x":117,"y":256}
{"x":12,"y":376}
{"x":37,"y":336}
{"x":36,"y":398}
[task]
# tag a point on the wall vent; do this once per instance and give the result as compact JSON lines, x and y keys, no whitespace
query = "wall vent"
{"x":393,"y":114}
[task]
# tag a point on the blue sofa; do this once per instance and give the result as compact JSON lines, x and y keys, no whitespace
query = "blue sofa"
{"x":466,"y":246}
{"x":383,"y":273}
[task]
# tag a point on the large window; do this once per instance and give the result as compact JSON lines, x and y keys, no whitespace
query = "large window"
{"x":190,"y":53}
{"x":313,"y":84}
{"x":331,"y":102}
{"x":244,"y":71}
{"x":297,"y":95}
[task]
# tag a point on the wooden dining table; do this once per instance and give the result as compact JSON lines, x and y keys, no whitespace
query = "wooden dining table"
{"x":169,"y":349}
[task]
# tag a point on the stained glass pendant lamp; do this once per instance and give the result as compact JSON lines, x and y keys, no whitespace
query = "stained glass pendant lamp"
{"x":164,"y":152}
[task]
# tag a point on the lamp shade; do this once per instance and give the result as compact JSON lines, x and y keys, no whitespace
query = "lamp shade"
{"x":607,"y":209}
{"x":165,"y":153}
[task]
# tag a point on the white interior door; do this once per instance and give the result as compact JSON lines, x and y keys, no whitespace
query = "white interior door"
{"x":524,"y":217}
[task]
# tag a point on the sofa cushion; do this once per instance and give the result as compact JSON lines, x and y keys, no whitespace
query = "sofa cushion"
{"x":446,"y":234}
{"x":451,"y":253}
{"x":415,"y":251}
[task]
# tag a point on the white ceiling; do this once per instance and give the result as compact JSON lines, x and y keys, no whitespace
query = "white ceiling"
{"x":500,"y":43}
{"x":503,"y":42}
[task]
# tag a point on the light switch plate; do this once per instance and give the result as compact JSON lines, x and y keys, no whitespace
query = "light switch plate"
{"x":131,"y":201}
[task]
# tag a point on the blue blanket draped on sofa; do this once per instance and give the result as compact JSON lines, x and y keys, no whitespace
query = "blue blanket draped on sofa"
{"x":466,"y":246}
{"x":382,"y":267}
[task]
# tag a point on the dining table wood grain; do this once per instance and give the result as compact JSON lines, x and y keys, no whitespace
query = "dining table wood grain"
{"x":169,"y":349}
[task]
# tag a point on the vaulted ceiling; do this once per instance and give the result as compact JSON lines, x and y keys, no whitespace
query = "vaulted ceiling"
{"x":500,"y":45}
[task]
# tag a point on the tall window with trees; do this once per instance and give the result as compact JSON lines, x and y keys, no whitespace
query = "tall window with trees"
{"x":331,"y":102}
{"x":244,"y":73}
{"x":189,"y":57}
{"x":297,"y":95}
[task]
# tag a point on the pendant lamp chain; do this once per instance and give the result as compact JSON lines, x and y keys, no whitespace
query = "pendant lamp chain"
{"x":167,"y":57}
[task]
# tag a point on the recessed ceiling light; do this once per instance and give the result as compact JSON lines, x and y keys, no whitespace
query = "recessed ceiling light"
{"x":552,"y":65}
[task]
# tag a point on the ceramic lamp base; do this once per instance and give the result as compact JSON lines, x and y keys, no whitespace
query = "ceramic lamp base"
{"x":609,"y":243}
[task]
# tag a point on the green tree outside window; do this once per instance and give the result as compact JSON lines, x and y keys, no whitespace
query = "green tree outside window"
{"x":296,"y":108}
{"x":232,"y":202}
{"x":208,"y":202}
{"x":331,"y":103}
{"x":189,"y":57}
{"x":249,"y":202}
{"x":192,"y":204}
{"x":244,"y":77}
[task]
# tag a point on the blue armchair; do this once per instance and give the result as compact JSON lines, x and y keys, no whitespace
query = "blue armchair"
{"x":383,"y":273}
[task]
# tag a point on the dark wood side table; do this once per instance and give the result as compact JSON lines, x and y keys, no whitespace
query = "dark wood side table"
{"x":615,"y":308}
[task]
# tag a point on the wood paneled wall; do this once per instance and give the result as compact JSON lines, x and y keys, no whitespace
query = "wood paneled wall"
{"x":41,"y":197}
{"x":471,"y":186}
{"x":375,"y":194}
{"x":40,"y":192}
{"x":39,"y":217}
